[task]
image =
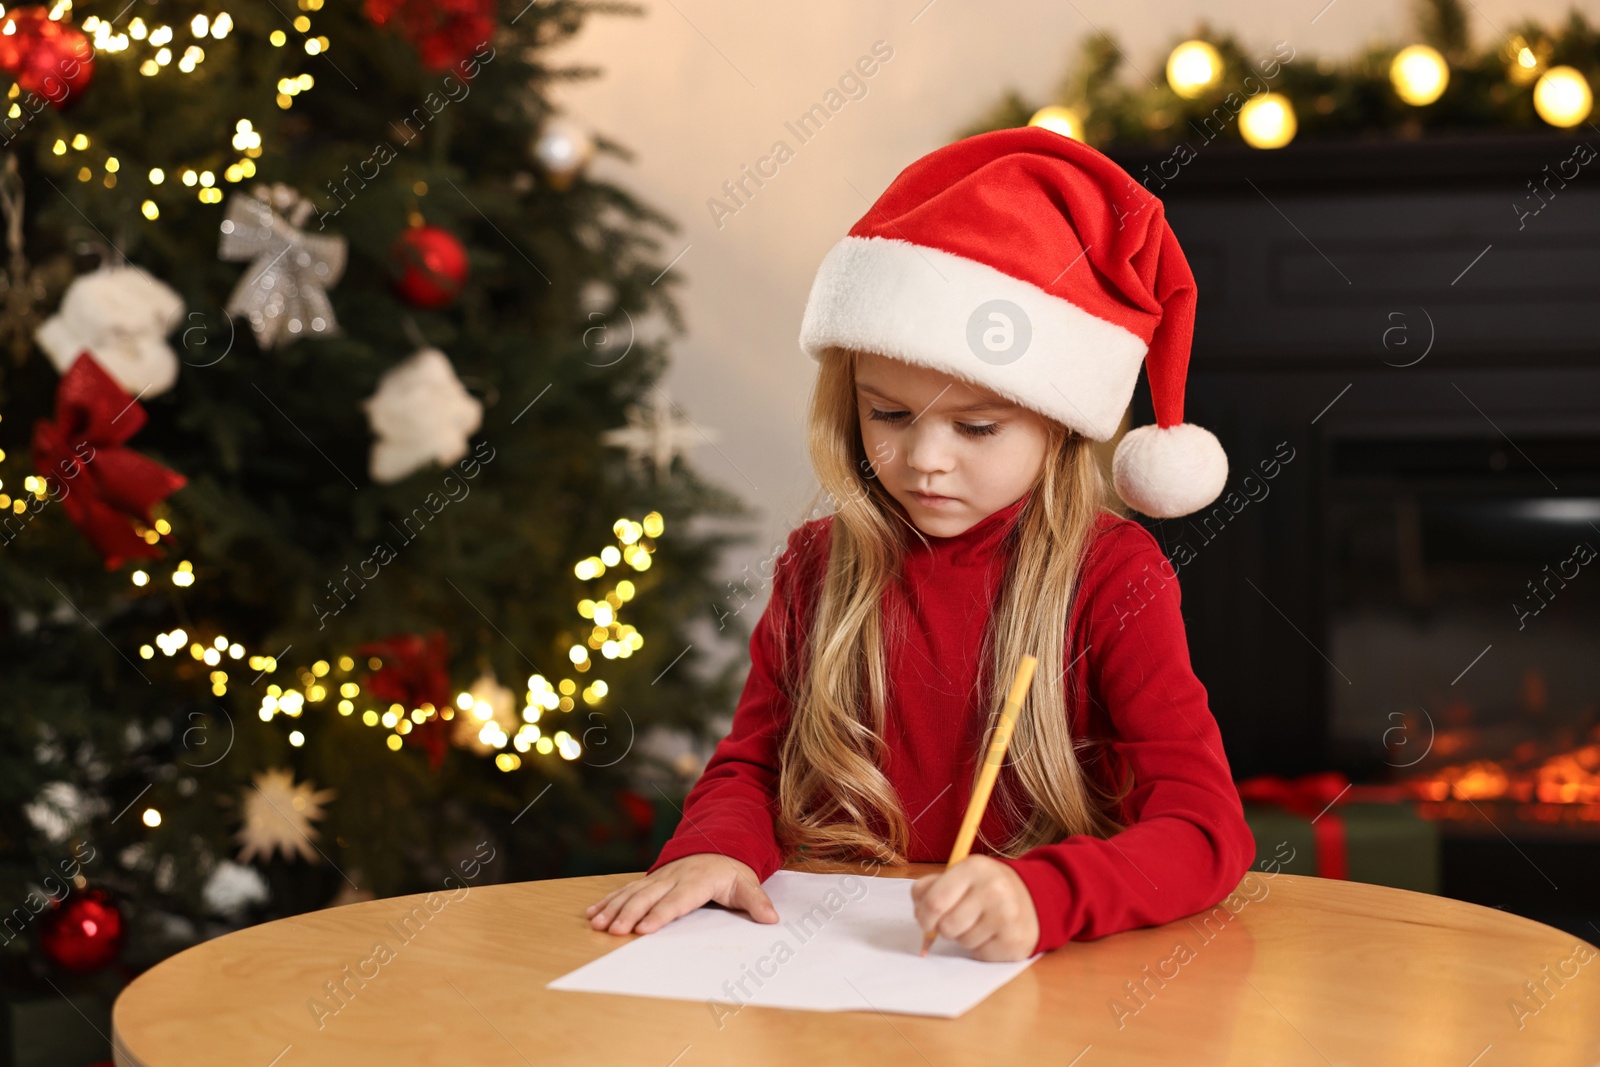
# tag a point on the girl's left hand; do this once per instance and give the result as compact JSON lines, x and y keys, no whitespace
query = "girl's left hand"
{"x":983,"y":905}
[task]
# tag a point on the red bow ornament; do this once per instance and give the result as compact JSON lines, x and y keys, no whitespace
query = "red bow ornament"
{"x":1313,"y":797}
{"x":414,"y":674}
{"x":444,"y":32}
{"x":102,"y":485}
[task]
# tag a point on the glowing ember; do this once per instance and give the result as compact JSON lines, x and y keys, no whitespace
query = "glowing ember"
{"x":1559,"y":788}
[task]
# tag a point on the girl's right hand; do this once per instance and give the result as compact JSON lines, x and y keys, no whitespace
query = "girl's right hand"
{"x":679,"y":887}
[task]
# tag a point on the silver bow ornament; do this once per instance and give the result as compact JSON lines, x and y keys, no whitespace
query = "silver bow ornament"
{"x":284,"y":291}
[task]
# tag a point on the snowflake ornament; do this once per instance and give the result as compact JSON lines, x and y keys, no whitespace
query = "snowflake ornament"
{"x":656,"y":433}
{"x":278,"y":813}
{"x":488,"y":723}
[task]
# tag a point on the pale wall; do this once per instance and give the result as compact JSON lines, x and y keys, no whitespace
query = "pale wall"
{"x":698,"y":89}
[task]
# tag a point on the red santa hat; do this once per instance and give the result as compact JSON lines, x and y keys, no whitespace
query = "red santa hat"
{"x":1032,"y":265}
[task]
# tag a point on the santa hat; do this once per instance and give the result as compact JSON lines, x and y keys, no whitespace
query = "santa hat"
{"x":1034,"y":266}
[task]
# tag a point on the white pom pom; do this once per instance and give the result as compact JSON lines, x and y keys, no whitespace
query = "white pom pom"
{"x":1169,"y":472}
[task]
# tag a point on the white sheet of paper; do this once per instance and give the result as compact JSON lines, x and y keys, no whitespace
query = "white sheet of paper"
{"x":843,"y":942}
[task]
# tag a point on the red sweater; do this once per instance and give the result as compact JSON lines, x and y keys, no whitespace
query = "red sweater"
{"x":1187,"y":844}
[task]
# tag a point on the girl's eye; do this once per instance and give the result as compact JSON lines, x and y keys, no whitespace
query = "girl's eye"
{"x":967,"y":428}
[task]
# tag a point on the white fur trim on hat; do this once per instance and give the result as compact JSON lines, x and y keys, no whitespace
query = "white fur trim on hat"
{"x":1167,"y":472}
{"x":918,"y":304}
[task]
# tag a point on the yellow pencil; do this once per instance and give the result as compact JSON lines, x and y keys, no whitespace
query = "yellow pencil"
{"x":991,"y":769}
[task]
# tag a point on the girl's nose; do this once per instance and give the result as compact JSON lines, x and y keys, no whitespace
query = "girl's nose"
{"x":928,"y":449}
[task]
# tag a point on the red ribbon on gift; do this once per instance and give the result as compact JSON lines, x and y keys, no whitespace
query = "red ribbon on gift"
{"x":1312,"y":796}
{"x":103,"y":486}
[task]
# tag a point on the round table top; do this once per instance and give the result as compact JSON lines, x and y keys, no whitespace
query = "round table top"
{"x":1287,"y":970}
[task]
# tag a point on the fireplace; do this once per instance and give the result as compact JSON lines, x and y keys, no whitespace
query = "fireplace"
{"x":1470,"y":638}
{"x":1406,"y":586}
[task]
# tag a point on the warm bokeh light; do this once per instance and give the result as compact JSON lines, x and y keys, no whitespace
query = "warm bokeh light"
{"x":1267,"y":121}
{"x":1192,"y":68}
{"x":1419,"y":74}
{"x":1562,"y":97}
{"x":1058,"y":119}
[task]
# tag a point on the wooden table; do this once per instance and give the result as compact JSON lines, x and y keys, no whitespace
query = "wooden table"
{"x":1289,"y":970}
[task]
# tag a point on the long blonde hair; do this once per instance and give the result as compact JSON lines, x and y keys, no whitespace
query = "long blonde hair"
{"x":831,"y":786}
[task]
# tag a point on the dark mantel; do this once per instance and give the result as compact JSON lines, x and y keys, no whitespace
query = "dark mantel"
{"x":1390,"y":164}
{"x":1485,"y":250}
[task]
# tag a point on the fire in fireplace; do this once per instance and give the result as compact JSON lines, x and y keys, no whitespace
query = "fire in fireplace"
{"x":1465,"y":623}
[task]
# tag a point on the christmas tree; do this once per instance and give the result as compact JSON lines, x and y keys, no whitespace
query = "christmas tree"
{"x":328,"y":556}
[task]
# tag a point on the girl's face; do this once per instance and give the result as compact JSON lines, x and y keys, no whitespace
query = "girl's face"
{"x":950,"y":452}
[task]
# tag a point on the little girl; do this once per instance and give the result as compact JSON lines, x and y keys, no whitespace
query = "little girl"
{"x":976,"y":331}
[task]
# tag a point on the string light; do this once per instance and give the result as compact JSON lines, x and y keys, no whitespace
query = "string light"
{"x":1562,"y":96}
{"x":1059,"y":119}
{"x":169,"y":643}
{"x":1419,"y":74}
{"x":1267,"y":121}
{"x":1192,"y":68}
{"x":160,"y":39}
{"x":245,"y":136}
{"x":325,"y":679}
{"x":1524,"y":59}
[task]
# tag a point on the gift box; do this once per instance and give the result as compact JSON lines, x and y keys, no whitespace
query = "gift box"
{"x":54,"y":1030}
{"x":1322,"y":825}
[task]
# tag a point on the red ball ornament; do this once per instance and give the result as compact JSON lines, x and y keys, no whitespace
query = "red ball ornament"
{"x":429,"y":266}
{"x":47,"y":58}
{"x":83,"y":933}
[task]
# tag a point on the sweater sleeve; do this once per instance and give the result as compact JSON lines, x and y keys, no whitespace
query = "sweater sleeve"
{"x":731,"y":808}
{"x":1187,"y":844}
